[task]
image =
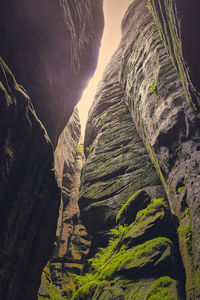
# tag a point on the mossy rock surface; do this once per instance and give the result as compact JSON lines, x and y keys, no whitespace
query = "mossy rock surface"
{"x":140,"y":199}
{"x":151,"y":222}
{"x":141,"y":258}
{"x":165,"y":288}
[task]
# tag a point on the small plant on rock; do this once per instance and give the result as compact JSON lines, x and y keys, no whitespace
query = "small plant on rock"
{"x":153,"y":89}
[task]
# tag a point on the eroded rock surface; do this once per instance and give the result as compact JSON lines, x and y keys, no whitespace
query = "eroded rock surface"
{"x":117,"y":164}
{"x":154,"y":75}
{"x":168,"y":125}
{"x":29,"y":195}
{"x":73,"y":241}
{"x":177,"y":22}
{"x":52,"y":47}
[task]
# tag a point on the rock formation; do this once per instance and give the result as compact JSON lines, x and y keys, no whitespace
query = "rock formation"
{"x":73,"y":241}
{"x":29,"y":195}
{"x":51,"y":47}
{"x":152,"y":250}
{"x":139,"y":194}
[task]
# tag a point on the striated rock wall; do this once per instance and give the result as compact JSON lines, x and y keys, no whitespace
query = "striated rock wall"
{"x":153,"y":74}
{"x":73,"y":241}
{"x":52,"y":47}
{"x":29,"y":195}
{"x":168,"y":125}
{"x":177,"y":22}
{"x":117,"y":163}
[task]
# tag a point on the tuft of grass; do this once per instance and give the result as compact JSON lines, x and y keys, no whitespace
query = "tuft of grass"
{"x":148,"y":6}
{"x":180,"y":189}
{"x":88,"y":148}
{"x":153,"y":89}
{"x":80,"y":148}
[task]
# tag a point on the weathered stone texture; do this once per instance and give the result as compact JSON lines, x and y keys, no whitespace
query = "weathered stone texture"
{"x":51,"y":47}
{"x":117,"y":164}
{"x":168,"y":125}
{"x":73,"y":241}
{"x":29,"y":195}
{"x":178,"y":23}
{"x":154,"y":73}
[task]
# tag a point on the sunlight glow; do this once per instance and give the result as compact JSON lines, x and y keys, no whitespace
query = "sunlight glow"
{"x":114,"y":11}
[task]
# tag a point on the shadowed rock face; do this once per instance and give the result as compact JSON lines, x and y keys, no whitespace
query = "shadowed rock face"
{"x":73,"y":241}
{"x":29,"y":196}
{"x":51,"y":47}
{"x":177,"y":22}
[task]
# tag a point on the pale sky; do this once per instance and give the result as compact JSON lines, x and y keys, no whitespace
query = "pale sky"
{"x":114,"y":11}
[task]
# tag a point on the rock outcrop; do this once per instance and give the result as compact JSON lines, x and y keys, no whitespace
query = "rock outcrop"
{"x":29,"y":194}
{"x":168,"y":125}
{"x":73,"y":241}
{"x":51,"y":47}
{"x":117,"y":164}
{"x":177,"y":22}
{"x":153,"y":73}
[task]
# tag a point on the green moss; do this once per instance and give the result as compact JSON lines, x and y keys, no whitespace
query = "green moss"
{"x":86,"y":291}
{"x":151,"y":208}
{"x":180,"y":189}
{"x":101,"y":259}
{"x":119,"y":231}
{"x":186,"y":213}
{"x":160,"y":290}
{"x":185,"y":232}
{"x":80,"y":148}
{"x":88,"y":148}
{"x":148,"y":6}
{"x":124,"y":207}
{"x":53,"y":292}
{"x":134,"y":257}
{"x":145,"y":218}
{"x":81,"y":280}
{"x":153,"y":89}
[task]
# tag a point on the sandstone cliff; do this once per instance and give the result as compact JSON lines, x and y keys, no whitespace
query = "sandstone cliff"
{"x":29,"y":193}
{"x":73,"y":241}
{"x":51,"y":47}
{"x":152,"y":250}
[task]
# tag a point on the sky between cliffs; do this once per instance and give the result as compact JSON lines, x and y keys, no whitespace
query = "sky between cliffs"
{"x":114,"y":11}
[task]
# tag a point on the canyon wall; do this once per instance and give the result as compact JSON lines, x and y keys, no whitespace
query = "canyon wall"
{"x":51,"y":48}
{"x":73,"y":241}
{"x":143,"y":133}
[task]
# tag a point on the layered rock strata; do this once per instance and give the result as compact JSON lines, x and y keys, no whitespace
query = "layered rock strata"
{"x":153,"y":75}
{"x":117,"y":162}
{"x":118,"y":186}
{"x":52,"y":48}
{"x":168,"y":125}
{"x":73,"y":241}
{"x":177,"y":22}
{"x":29,"y":195}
